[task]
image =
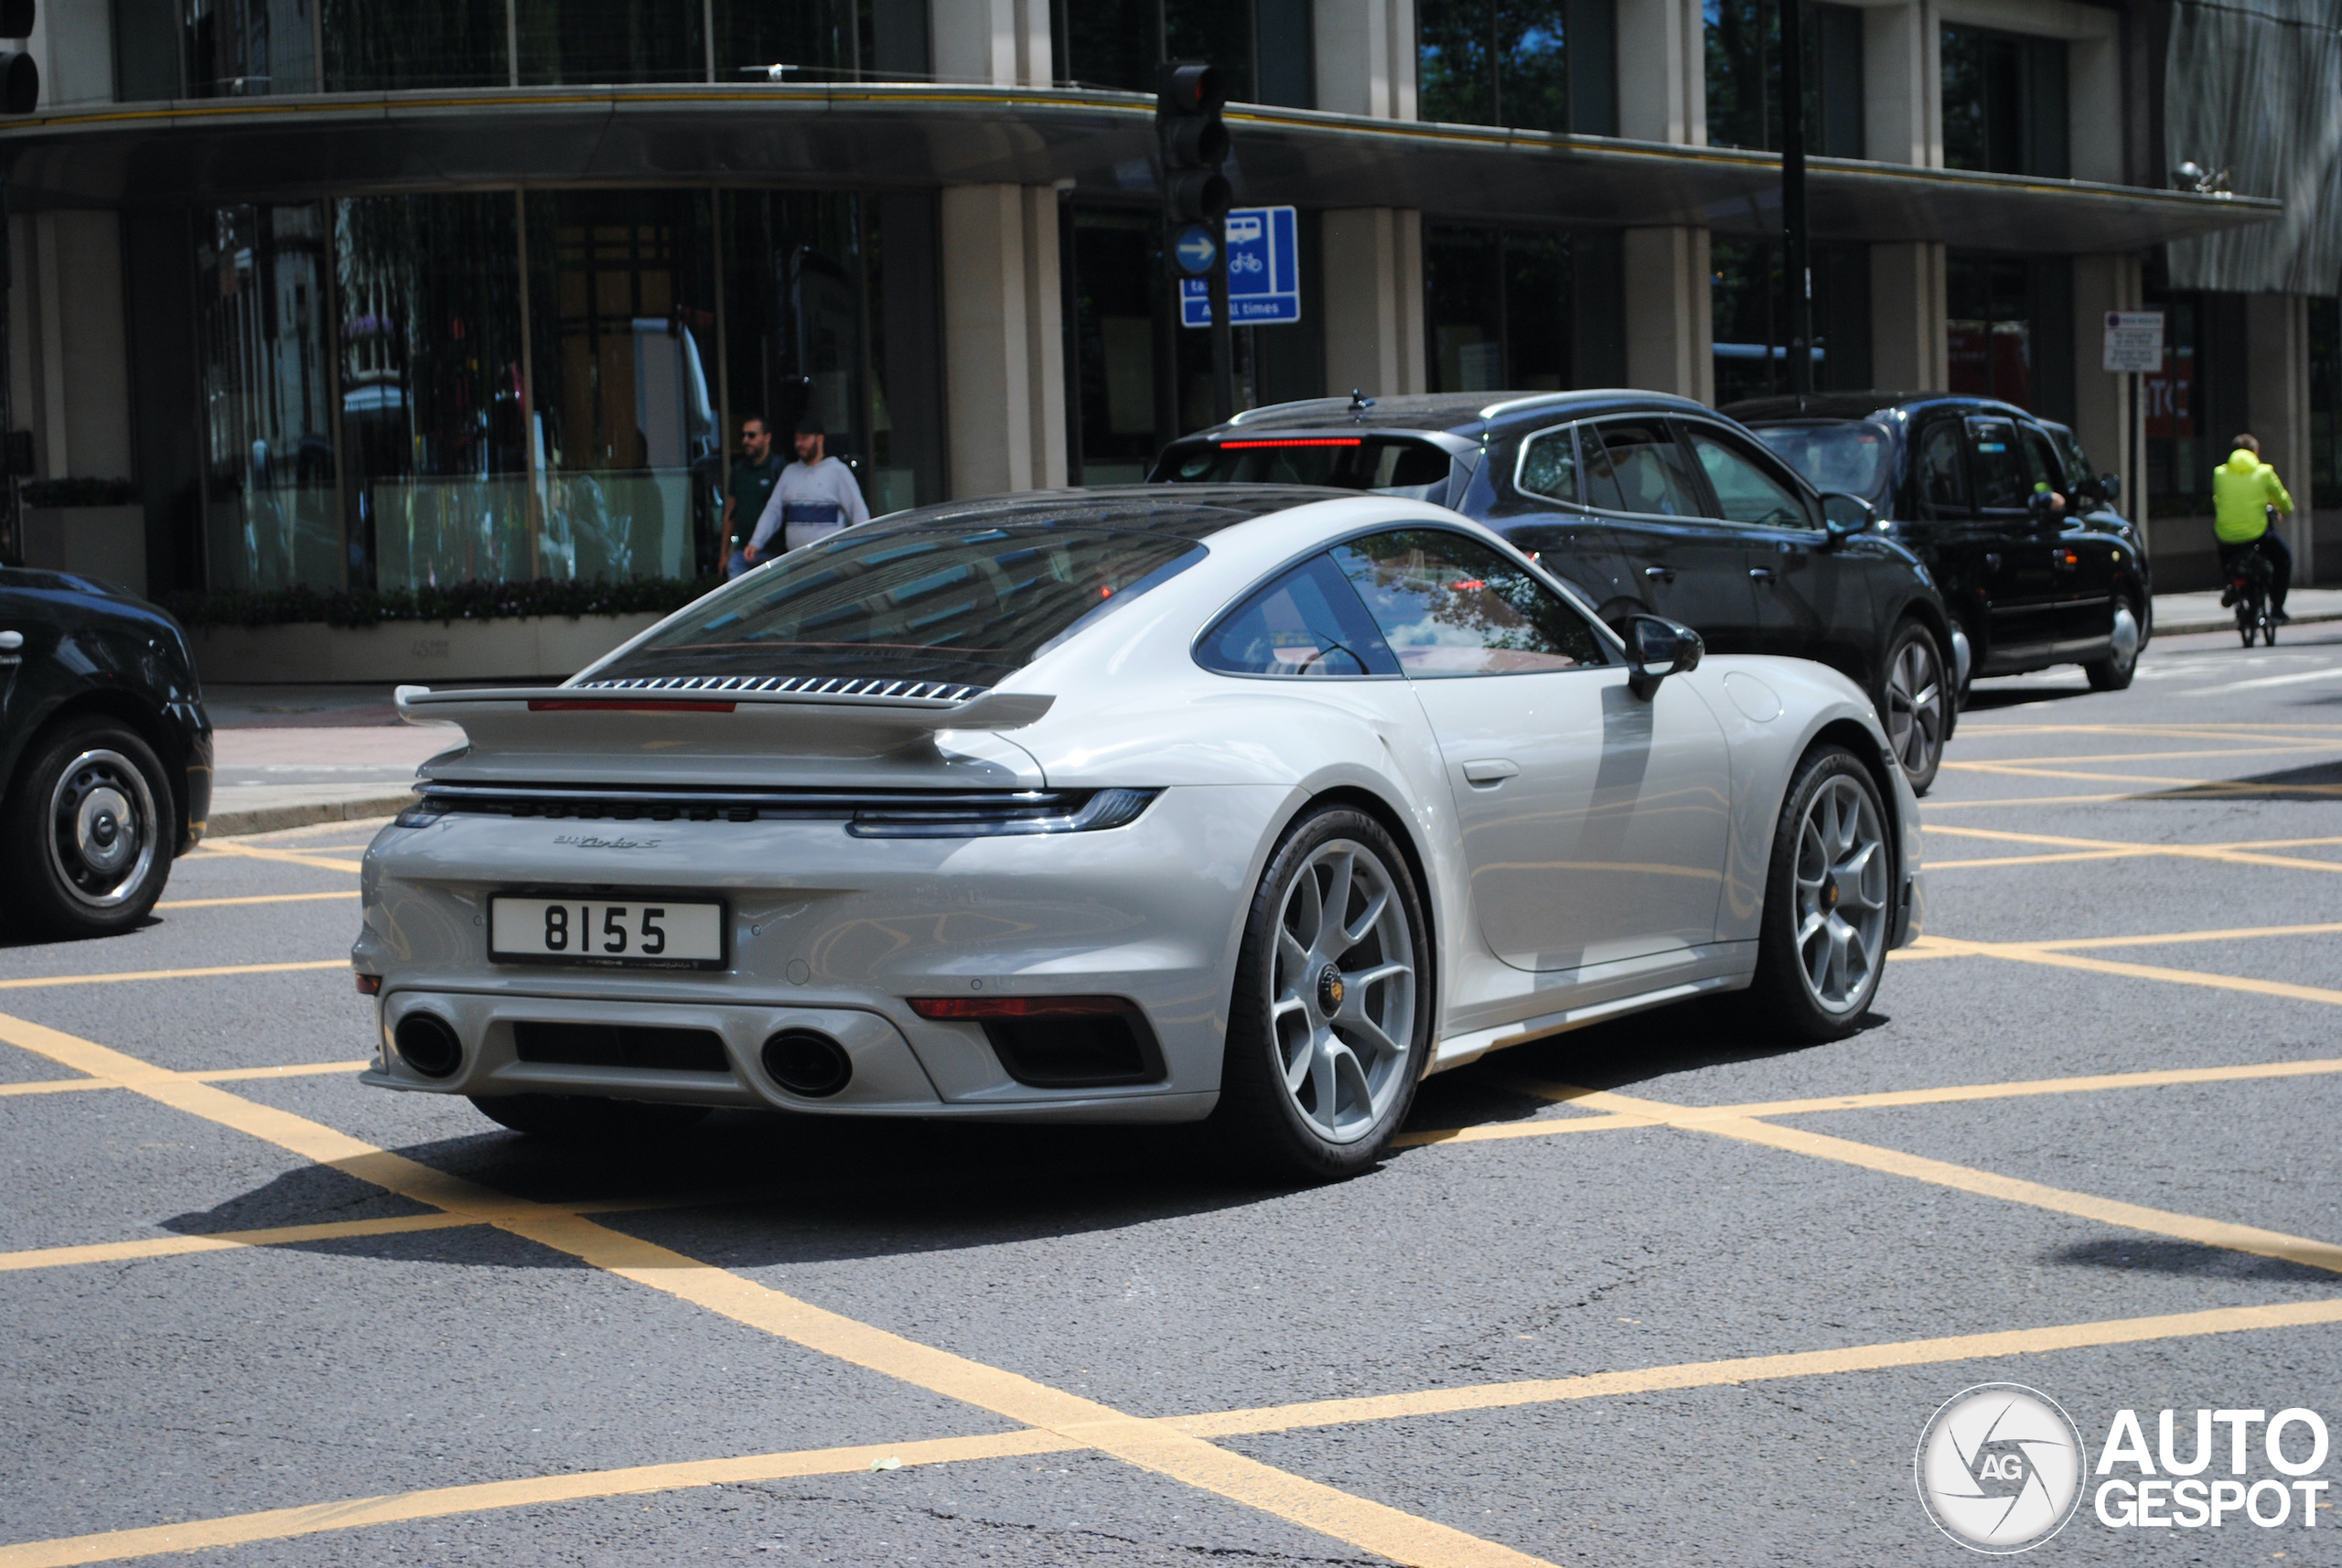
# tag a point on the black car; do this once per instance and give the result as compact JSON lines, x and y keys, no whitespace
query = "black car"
{"x":1644,"y":504}
{"x":106,"y":749}
{"x":1973,"y":485}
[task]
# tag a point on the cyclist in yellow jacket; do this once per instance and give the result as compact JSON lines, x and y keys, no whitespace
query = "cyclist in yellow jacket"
{"x":2244,"y":490}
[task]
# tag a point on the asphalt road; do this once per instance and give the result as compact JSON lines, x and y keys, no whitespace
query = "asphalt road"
{"x":231,"y":1316}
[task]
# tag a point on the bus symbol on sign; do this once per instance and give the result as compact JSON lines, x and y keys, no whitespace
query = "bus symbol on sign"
{"x":1263,"y":272}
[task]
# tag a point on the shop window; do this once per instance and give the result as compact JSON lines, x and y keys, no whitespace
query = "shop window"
{"x":2009,"y":332}
{"x":1522,"y":310}
{"x":1742,"y":39}
{"x":1263,"y":47}
{"x":1540,"y":65}
{"x":266,"y":392}
{"x":382,"y":45}
{"x":2004,"y":103}
{"x":1748,"y":318}
{"x":434,"y":466}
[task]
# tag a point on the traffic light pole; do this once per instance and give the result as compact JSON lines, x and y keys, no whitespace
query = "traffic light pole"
{"x":1223,"y":337}
{"x":1796,"y":264}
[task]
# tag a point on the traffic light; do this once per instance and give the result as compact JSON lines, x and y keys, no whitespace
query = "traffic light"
{"x":19,"y":77}
{"x":1194,"y":142}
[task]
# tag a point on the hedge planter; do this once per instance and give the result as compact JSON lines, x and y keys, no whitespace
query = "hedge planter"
{"x":531,"y":648}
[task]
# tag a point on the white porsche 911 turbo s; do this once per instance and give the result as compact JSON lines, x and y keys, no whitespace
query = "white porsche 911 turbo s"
{"x":1254,"y":803}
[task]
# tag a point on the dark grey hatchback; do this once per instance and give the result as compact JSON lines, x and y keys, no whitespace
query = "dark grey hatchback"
{"x":1642,"y":503}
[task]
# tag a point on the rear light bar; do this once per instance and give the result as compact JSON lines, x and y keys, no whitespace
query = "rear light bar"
{"x":1019,"y":1006}
{"x":1294,"y":441}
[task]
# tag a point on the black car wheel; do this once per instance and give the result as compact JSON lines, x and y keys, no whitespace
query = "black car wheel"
{"x":89,"y":829}
{"x":1331,"y":1020}
{"x":1915,"y":703}
{"x":2114,"y":673}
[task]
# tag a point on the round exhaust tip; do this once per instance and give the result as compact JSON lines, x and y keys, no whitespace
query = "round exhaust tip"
{"x":428,"y":1043}
{"x":807,"y":1063}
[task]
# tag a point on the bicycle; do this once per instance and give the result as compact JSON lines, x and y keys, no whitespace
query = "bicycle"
{"x":2249,"y":580}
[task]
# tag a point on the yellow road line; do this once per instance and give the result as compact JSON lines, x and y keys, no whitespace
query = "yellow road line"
{"x":2028,"y":952}
{"x":1935,"y":805}
{"x":1493,"y":1131}
{"x":1934,"y":865}
{"x":1149,"y":1445}
{"x":441,"y":1502}
{"x":2234,"y":854}
{"x":2208,"y":786}
{"x":2319,"y":743}
{"x":254,"y":898}
{"x":223,"y":1074}
{"x":224,"y":1242}
{"x":37,"y":981}
{"x":1984,"y":1184}
{"x":356,"y":1513}
{"x":2211,"y":729}
{"x":290,"y":857}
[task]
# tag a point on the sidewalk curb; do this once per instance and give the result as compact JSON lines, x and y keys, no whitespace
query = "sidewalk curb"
{"x":269,"y":819}
{"x":2228,"y":623}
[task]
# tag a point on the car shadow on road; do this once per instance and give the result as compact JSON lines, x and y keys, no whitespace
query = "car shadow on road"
{"x":2142,"y":1254}
{"x":2319,"y":781}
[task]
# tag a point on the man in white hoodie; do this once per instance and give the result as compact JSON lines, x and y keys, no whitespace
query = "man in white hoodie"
{"x":815,"y":497}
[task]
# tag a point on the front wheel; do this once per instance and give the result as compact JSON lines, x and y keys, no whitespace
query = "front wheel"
{"x":1917,"y":703}
{"x":2114,"y":673}
{"x":1330,"y":1024}
{"x":89,"y":829}
{"x":1829,"y":900}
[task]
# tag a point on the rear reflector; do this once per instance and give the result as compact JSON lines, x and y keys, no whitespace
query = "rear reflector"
{"x":1294,"y":441}
{"x":1019,"y":1006}
{"x":586,"y":705}
{"x":369,"y":985}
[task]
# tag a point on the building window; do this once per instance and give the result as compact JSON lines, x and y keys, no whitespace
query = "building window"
{"x":1539,"y":65}
{"x":2009,"y":330}
{"x":266,"y":389}
{"x":382,"y":45}
{"x":238,"y":48}
{"x":1748,"y":304}
{"x":2325,"y":402}
{"x":2004,"y":103}
{"x":2197,"y":399}
{"x":1743,"y":76}
{"x":1522,"y":310}
{"x":1263,"y":47}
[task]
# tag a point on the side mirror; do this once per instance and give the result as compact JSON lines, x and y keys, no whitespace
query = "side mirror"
{"x":2110,"y":486}
{"x":1844,"y":516}
{"x":1656,"y":648}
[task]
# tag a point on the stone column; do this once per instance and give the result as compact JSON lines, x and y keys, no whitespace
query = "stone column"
{"x":69,"y":345}
{"x":1003,"y":338}
{"x":1366,"y":57}
{"x":2106,"y":415}
{"x":1001,"y":42}
{"x":1670,"y":332}
{"x":1373,"y":289}
{"x":2276,"y":330}
{"x":1907,"y":349}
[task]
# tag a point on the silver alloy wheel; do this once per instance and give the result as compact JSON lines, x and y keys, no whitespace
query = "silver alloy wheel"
{"x":1916,"y":702}
{"x":1342,"y":990}
{"x":101,"y":829}
{"x":2123,"y":650}
{"x":1842,"y":896}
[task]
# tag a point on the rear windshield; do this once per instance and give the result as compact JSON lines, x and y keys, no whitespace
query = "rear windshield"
{"x":966,"y":608}
{"x":1855,"y":458}
{"x":1387,"y":465}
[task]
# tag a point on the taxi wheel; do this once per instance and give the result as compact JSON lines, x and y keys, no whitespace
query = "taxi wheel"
{"x":89,"y":830}
{"x":1829,"y":901}
{"x":583,"y":1118}
{"x":1330,"y":1025}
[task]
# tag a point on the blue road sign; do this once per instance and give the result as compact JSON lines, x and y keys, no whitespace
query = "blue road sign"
{"x":1194,"y":252}
{"x":1263,"y":272}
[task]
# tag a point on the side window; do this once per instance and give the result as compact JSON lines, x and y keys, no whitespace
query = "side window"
{"x":1939,"y":474}
{"x":1306,"y":622}
{"x":1548,"y":465}
{"x":2001,"y":483}
{"x":1451,"y":606}
{"x":2041,"y":464}
{"x":1745,"y":489}
{"x":1636,"y":465}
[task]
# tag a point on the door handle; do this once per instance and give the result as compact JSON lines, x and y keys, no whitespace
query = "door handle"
{"x":1761,"y":574}
{"x":1489,"y":771}
{"x":11,"y":641}
{"x":1663,"y":573}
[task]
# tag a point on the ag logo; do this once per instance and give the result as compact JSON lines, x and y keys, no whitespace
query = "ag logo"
{"x":2000,"y":1469}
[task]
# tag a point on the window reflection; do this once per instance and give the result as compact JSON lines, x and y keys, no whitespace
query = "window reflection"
{"x":239,"y":48}
{"x":268,"y":442}
{"x":382,"y":46}
{"x":570,"y":41}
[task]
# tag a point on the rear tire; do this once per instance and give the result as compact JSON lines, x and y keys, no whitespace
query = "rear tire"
{"x":1330,"y":1024}
{"x":1829,"y":898}
{"x":2114,"y":672}
{"x":1915,"y":703}
{"x":89,"y":830}
{"x":583,"y":1118}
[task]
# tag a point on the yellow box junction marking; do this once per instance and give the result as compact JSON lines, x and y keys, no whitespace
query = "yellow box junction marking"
{"x":255,"y":898}
{"x":37,"y":981}
{"x":290,"y":857}
{"x":1148,"y":1444}
{"x":221,"y":1075}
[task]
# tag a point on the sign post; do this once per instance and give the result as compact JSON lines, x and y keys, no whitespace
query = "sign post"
{"x":2135,"y":350}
